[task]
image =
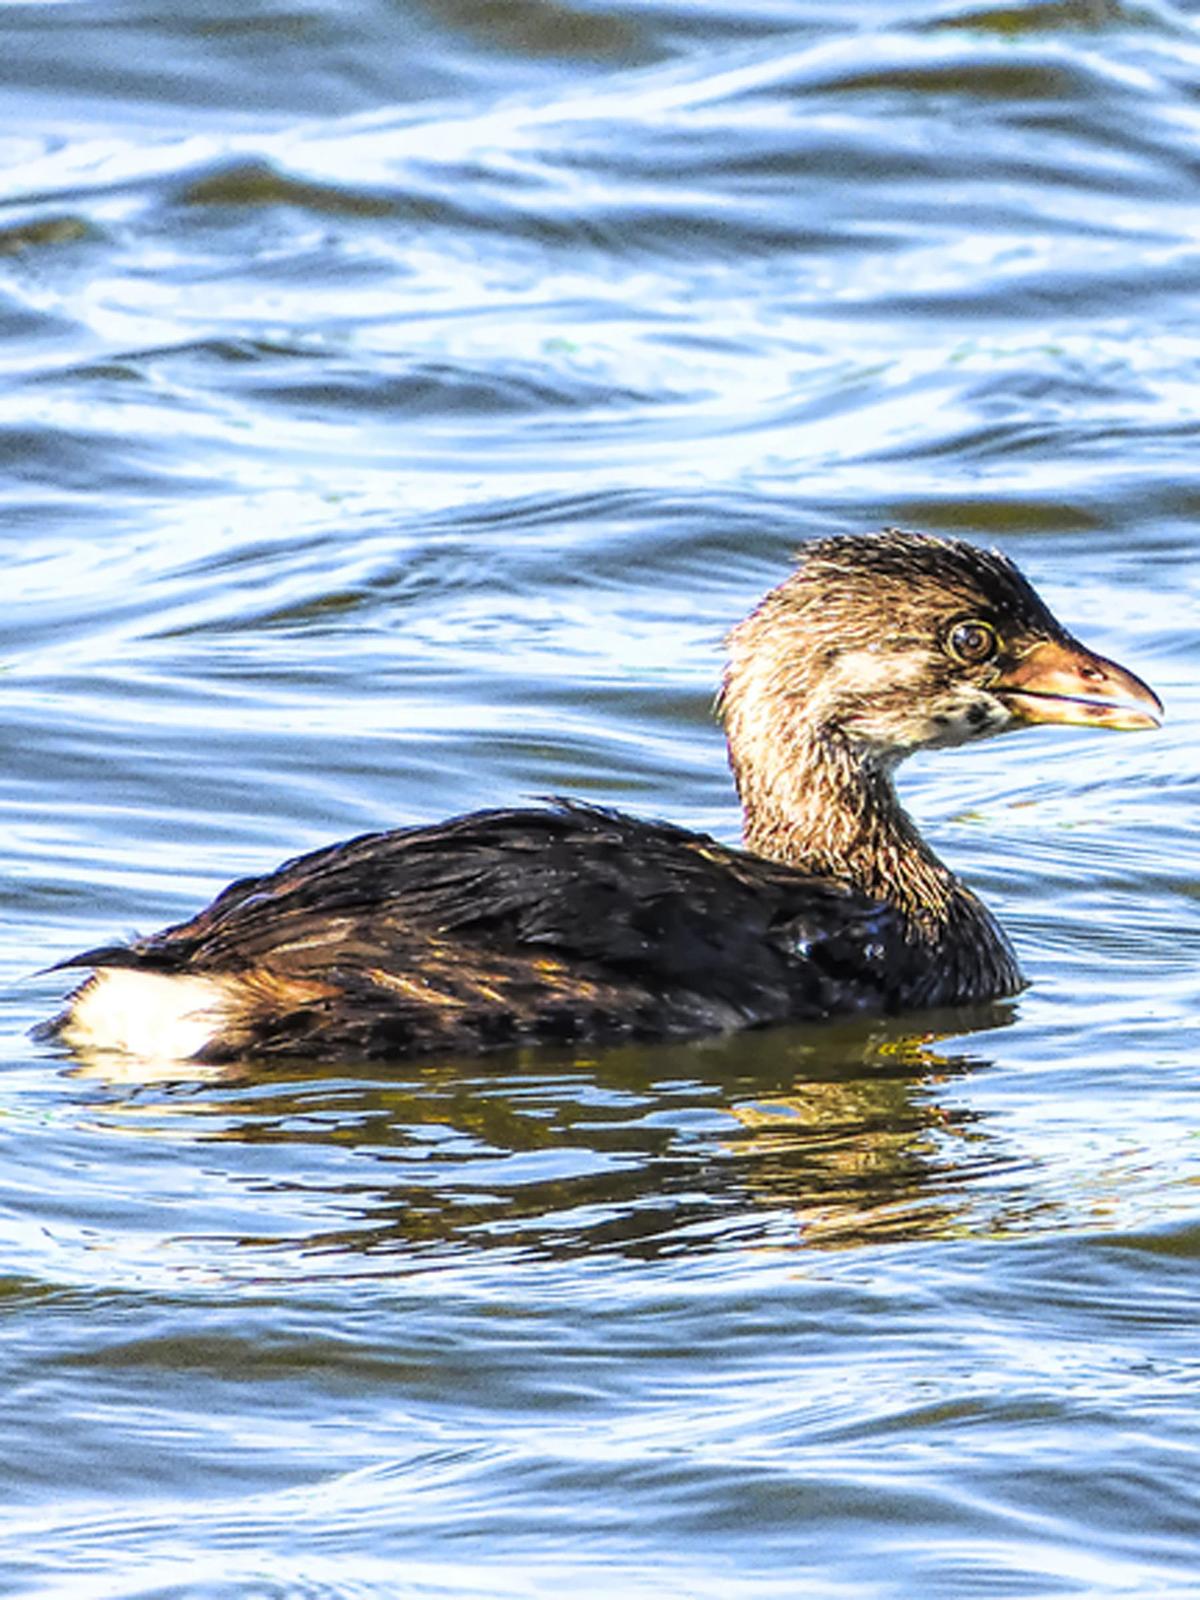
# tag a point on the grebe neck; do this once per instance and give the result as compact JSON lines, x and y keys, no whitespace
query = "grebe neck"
{"x":829,"y":809}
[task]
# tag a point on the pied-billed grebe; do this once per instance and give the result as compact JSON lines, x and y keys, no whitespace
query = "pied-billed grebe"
{"x":573,"y":923}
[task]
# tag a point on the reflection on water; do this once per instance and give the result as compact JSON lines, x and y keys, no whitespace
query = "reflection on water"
{"x":836,"y":1136}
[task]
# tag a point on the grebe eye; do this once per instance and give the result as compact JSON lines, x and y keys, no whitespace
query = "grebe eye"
{"x":972,"y":642}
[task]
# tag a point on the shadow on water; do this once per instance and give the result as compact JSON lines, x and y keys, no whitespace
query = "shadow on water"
{"x":838,"y":1136}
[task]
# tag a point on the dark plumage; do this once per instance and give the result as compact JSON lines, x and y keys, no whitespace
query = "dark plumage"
{"x":573,"y":923}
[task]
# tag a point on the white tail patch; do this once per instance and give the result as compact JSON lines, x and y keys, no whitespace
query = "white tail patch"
{"x":152,"y":1015}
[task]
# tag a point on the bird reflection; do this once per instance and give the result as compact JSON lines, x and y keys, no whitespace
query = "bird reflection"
{"x":865,"y":1158}
{"x":830,"y":1137}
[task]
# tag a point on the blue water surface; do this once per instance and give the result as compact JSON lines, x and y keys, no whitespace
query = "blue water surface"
{"x":397,"y":404}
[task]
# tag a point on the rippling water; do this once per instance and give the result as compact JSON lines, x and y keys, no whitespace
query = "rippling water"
{"x":397,"y":403}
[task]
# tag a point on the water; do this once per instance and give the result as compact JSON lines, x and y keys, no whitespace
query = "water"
{"x":397,"y":404}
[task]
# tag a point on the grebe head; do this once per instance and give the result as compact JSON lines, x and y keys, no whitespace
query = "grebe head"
{"x":897,"y":642}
